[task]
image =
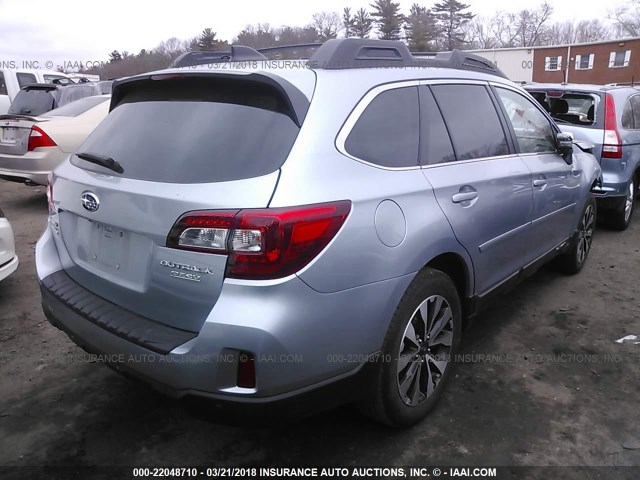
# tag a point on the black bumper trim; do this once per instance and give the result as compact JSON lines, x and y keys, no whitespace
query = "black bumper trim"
{"x":142,"y":331}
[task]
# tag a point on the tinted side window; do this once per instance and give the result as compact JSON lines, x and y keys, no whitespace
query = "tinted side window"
{"x":386,"y":133}
{"x":534,"y":132}
{"x":435,"y":144}
{"x":3,"y":85}
{"x":472,"y":121}
{"x":25,"y":79}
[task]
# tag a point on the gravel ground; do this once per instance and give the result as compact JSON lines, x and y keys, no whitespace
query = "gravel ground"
{"x":544,"y":384}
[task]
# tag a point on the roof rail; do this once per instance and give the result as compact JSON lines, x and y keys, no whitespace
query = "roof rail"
{"x":289,"y":47}
{"x":337,"y":54}
{"x":238,"y":53}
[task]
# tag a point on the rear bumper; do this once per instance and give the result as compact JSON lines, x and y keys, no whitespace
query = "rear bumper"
{"x":33,"y":166}
{"x":616,"y":175}
{"x":301,"y":340}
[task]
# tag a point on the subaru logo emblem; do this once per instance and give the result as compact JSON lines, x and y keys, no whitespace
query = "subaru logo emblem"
{"x":90,"y":201}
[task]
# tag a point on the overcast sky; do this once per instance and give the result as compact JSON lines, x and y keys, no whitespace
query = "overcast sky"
{"x":87,"y":30}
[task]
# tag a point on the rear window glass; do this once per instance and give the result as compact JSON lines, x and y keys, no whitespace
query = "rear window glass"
{"x":57,"y":79}
{"x":25,"y":79}
{"x":195,"y":132}
{"x":76,"y":108}
{"x":472,"y":121}
{"x":570,"y":107}
{"x":3,"y":85}
{"x":32,"y":102}
{"x":387,"y":132}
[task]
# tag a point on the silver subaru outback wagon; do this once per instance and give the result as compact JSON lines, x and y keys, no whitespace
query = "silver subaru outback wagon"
{"x":256,"y":234}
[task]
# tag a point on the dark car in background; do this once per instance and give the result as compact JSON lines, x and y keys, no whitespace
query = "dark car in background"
{"x":608,"y":117}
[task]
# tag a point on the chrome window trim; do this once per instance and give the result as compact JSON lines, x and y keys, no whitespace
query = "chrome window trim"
{"x":364,"y":102}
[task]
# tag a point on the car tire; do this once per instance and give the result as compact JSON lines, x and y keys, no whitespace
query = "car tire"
{"x":572,"y":261}
{"x":620,"y":218}
{"x":396,"y":397}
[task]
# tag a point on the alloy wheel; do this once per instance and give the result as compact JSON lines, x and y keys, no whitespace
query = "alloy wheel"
{"x":425,"y":350}
{"x":585,"y":234}
{"x":628,"y":206}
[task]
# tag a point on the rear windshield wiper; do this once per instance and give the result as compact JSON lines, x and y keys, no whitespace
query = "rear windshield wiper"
{"x":103,"y":161}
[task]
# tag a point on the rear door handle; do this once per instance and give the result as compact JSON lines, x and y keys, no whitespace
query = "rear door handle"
{"x":539,"y":182}
{"x":464,"y":197}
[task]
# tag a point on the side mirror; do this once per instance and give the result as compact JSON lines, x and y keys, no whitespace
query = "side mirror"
{"x":564,"y":144}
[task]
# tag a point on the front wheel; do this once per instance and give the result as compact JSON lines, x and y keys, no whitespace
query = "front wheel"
{"x":572,"y":261}
{"x":418,"y":351}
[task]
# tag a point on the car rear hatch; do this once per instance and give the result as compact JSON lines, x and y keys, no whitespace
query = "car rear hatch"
{"x":183,"y":143}
{"x":33,"y":100}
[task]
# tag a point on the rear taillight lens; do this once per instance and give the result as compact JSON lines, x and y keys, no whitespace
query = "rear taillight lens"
{"x":612,"y":145}
{"x":39,"y":139}
{"x":261,"y":243}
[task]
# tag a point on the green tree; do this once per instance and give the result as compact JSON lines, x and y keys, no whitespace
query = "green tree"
{"x":420,"y":29}
{"x":363,"y":23}
{"x":348,"y":22}
{"x":451,"y":17}
{"x":388,"y":19}
{"x":208,"y":40}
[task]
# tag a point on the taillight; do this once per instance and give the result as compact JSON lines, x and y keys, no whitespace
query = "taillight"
{"x":38,"y":139}
{"x":261,"y":243}
{"x":612,"y":145}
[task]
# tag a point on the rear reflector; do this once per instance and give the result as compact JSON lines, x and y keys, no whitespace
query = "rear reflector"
{"x":246,"y":371}
{"x":39,"y":139}
{"x":261,"y":243}
{"x":612,"y":145}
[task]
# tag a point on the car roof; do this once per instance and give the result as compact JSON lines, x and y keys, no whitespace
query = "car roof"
{"x":575,"y":87}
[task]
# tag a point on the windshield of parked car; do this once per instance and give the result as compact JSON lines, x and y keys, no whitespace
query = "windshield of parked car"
{"x":78,"y":107}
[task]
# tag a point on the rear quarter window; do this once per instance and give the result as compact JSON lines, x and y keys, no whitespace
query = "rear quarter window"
{"x":387,"y":131}
{"x":631,"y":114}
{"x":195,"y":132}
